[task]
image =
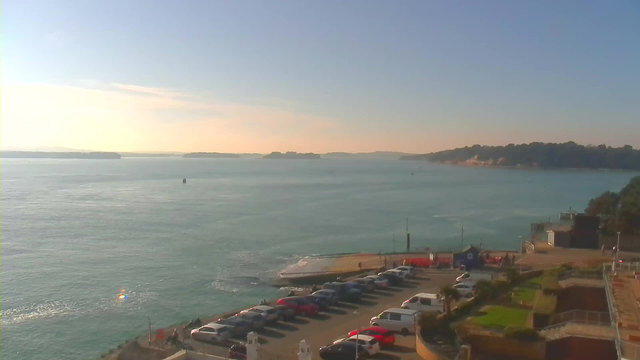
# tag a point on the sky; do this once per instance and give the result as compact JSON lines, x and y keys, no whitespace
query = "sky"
{"x":319,"y":76}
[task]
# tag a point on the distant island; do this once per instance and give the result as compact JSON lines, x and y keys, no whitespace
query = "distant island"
{"x":58,"y":155}
{"x":214,"y":155}
{"x":380,"y":155}
{"x":540,"y":155}
{"x":291,"y":155}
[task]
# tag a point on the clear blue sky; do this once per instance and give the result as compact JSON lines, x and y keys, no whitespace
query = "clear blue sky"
{"x":412,"y":76}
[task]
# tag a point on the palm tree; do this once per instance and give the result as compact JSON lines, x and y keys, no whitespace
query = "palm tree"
{"x":449,"y":294}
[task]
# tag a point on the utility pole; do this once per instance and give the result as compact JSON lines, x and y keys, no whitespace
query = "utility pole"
{"x":462,"y":238}
{"x":149,"y":321}
{"x":520,"y":260}
{"x":408,"y":237}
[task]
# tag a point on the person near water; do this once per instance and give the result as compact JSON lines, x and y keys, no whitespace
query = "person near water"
{"x":603,"y":249}
{"x":360,"y":265}
{"x":404,"y":262}
{"x":292,"y":293}
{"x":314,"y":288}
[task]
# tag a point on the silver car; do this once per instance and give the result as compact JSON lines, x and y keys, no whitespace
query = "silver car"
{"x":269,"y":313}
{"x":212,"y":332}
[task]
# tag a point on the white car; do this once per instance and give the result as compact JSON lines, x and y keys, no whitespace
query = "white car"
{"x":396,"y":319}
{"x":212,"y":332}
{"x":269,"y":313}
{"x":465,"y":290}
{"x":401,"y":274}
{"x":379,"y":281}
{"x":408,"y":270}
{"x":368,"y":343}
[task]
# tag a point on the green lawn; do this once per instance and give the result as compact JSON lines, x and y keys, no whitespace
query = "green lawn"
{"x":524,"y":294}
{"x":500,"y":316}
{"x":536,"y":281}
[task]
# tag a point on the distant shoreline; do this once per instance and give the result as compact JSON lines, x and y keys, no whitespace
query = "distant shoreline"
{"x":59,"y":155}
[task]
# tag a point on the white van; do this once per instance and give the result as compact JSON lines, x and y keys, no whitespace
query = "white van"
{"x":396,"y":319}
{"x":424,"y":302}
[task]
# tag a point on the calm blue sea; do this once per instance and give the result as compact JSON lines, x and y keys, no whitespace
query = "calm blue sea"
{"x":74,"y":233}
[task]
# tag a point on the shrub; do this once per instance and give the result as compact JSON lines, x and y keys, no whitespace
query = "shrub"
{"x":521,"y":333}
{"x":513,"y":276}
{"x":484,"y":289}
{"x":499,"y":287}
{"x":465,"y":307}
{"x":428,"y":321}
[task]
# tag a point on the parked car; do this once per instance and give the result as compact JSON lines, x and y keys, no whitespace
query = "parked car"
{"x":355,"y":285}
{"x":212,"y":332}
{"x":367,"y":285}
{"x":384,"y":336}
{"x":410,"y":271}
{"x":369,"y":343}
{"x":269,"y":313}
{"x":285,"y":312}
{"x":321,"y":301}
{"x":239,"y":326}
{"x":470,"y":278}
{"x":331,"y":295}
{"x":345,"y":350}
{"x":237,"y":351}
{"x":396,"y":319}
{"x":392,"y":277}
{"x":301,"y":305}
{"x":379,"y":281}
{"x":466,"y":290}
{"x":424,"y":302}
{"x":256,"y":320}
{"x":345,"y":292}
{"x":402,"y":275}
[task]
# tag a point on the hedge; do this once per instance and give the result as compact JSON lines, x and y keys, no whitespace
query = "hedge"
{"x":521,"y":333}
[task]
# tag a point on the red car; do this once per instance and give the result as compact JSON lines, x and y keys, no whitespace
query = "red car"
{"x":385,"y":337}
{"x":300,"y":305}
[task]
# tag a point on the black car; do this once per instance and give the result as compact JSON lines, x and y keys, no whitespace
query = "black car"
{"x":344,"y":291}
{"x":321,"y":301}
{"x":285,"y":313}
{"x":393,"y":278}
{"x":345,"y":350}
{"x":241,"y":327}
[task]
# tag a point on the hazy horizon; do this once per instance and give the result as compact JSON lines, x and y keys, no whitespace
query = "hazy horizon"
{"x":256,"y":77}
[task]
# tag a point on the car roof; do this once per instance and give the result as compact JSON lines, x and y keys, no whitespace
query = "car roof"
{"x":291,"y":298}
{"x":427,"y":295}
{"x":262,"y":307}
{"x":215,"y":325}
{"x":233,"y":319}
{"x":401,"y":311}
{"x":326,"y":291}
{"x":248,"y":314}
{"x":379,"y":329}
{"x":362,"y":337}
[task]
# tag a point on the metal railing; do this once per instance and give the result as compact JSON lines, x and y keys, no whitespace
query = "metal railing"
{"x":612,"y":313}
{"x":580,"y":274}
{"x":566,"y":328}
{"x":583,"y":317}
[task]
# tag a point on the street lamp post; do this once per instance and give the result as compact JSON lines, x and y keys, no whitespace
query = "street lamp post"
{"x":357,"y":333}
{"x":520,"y":260}
{"x":617,"y":250}
{"x":394,"y":243}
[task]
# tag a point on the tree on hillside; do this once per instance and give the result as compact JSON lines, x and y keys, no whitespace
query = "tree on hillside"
{"x":618,"y":211}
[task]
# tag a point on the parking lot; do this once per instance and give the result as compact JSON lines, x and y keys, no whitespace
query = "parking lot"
{"x":280,"y":341}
